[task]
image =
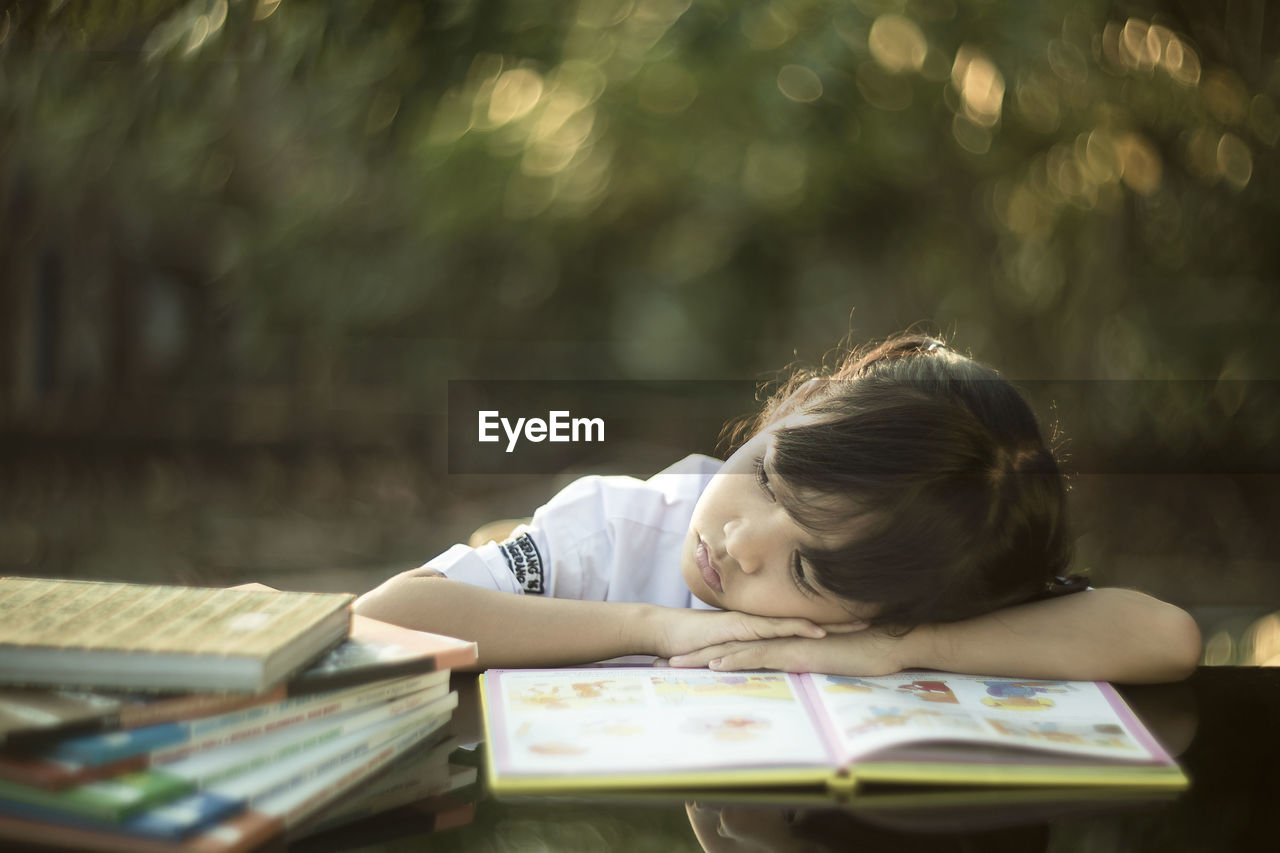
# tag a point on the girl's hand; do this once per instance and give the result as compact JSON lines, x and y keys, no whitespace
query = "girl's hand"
{"x":866,"y":652}
{"x":675,"y":632}
{"x":1098,"y":635}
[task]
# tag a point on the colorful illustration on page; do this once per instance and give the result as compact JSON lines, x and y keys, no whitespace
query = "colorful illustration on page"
{"x":569,"y":735}
{"x":1107,"y":735}
{"x":562,"y":695}
{"x":880,"y":717}
{"x":706,"y":687}
{"x":735,"y":727}
{"x":542,"y":744}
{"x":557,"y":747}
{"x":624,"y":727}
{"x":850,"y":684}
{"x":1022,"y":695}
{"x":930,"y":691}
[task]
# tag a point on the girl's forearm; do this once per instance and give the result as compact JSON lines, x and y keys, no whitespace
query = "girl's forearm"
{"x":1102,"y":634}
{"x":525,"y":630}
{"x":513,"y":630}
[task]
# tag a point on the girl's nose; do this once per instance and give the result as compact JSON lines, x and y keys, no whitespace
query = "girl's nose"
{"x":742,"y":545}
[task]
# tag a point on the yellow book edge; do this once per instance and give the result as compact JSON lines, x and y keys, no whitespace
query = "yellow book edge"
{"x":1006,"y":775}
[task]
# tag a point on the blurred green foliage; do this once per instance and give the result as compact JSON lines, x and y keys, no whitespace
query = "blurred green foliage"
{"x":336,"y":193}
{"x":259,"y":221}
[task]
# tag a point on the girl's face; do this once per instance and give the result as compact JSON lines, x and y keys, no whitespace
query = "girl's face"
{"x":742,"y":550}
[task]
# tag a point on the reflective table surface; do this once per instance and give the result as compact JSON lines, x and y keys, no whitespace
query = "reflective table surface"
{"x":1223,"y":723}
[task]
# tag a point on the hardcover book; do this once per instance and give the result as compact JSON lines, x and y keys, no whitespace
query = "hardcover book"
{"x":155,"y":637}
{"x":637,"y":729}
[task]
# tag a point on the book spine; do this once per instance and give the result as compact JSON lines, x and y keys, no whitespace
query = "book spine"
{"x":287,"y":772}
{"x":823,"y":724}
{"x":167,"y":741}
{"x":181,"y":817}
{"x":109,"y":800}
{"x":430,"y":756}
{"x":169,"y":821}
{"x":241,"y":832}
{"x":332,"y":786}
{"x":212,"y":766}
{"x":257,"y":825}
{"x":288,"y":713}
{"x":59,"y":775}
{"x":178,"y":708}
{"x":107,"y":747}
{"x":420,"y":722}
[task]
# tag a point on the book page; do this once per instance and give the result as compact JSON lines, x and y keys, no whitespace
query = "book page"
{"x":646,"y":720}
{"x":1069,"y":718}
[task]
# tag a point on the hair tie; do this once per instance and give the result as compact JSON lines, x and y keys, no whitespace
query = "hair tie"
{"x":934,"y":345}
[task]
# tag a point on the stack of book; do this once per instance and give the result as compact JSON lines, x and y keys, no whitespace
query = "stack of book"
{"x":139,"y":717}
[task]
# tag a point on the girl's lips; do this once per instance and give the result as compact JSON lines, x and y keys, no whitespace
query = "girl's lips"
{"x":709,"y":574}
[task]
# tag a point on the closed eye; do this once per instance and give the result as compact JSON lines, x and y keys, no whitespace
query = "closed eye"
{"x":797,"y":567}
{"x":763,"y":480}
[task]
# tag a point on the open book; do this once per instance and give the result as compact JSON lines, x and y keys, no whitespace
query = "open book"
{"x":552,"y":731}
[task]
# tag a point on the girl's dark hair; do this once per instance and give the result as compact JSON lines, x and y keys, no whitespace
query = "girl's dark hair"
{"x":959,"y":505}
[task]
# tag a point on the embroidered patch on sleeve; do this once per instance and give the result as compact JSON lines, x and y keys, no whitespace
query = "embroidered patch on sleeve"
{"x":525,"y":562}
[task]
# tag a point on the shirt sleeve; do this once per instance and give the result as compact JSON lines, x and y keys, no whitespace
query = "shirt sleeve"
{"x":601,"y":538}
{"x":516,"y":566}
{"x":565,"y":551}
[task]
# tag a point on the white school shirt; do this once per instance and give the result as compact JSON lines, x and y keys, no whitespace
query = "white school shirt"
{"x":599,"y":539}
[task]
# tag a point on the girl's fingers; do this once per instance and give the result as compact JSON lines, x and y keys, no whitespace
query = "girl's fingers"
{"x":846,"y":627}
{"x":805,"y":628}
{"x":701,"y":657}
{"x":754,"y":656}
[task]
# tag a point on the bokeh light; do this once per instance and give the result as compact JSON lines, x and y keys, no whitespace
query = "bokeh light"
{"x":897,"y":43}
{"x":250,"y":241}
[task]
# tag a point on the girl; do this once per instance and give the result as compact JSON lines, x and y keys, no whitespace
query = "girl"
{"x":903,"y":511}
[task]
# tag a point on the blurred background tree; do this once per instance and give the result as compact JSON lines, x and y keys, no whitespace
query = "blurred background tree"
{"x":245,"y":243}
